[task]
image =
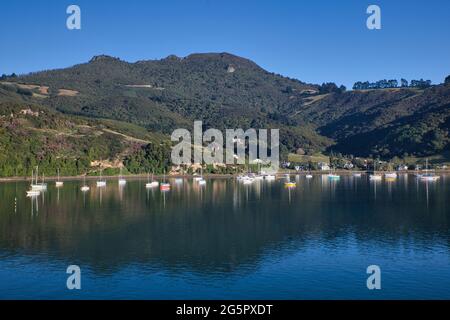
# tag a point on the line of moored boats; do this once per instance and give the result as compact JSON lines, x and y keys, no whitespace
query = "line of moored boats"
{"x":36,"y":186}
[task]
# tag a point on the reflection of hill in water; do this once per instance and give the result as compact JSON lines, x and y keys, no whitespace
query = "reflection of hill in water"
{"x":219,"y":228}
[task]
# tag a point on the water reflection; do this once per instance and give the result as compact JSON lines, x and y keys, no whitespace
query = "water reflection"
{"x":224,"y":225}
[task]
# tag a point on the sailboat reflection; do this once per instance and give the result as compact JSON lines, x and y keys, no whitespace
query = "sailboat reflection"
{"x":34,"y":205}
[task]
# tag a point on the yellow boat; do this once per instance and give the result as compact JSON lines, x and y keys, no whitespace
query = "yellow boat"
{"x":290,"y":184}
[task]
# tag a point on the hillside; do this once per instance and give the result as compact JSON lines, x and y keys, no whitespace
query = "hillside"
{"x":32,"y":134}
{"x":386,"y":123}
{"x":223,"y":90}
{"x":151,"y":98}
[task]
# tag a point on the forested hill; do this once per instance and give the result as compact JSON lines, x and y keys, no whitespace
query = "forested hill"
{"x":385,"y":123}
{"x":221,"y":89}
{"x":226,"y":91}
{"x":32,"y":134}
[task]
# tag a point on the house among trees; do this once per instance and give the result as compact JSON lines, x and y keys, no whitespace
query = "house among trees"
{"x":324,"y":166}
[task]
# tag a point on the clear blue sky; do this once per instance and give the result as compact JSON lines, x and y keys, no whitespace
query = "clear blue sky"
{"x":314,"y":41}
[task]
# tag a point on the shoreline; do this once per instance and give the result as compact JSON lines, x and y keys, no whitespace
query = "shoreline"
{"x":141,"y":176}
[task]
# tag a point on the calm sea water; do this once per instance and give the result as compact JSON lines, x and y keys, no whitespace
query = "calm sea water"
{"x":227,"y":240}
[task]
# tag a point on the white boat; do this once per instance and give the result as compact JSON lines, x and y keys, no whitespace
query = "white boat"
{"x":101,"y":183}
{"x":197,"y":178}
{"x":357,"y":175}
{"x":416,"y":172}
{"x":243,"y":177}
{"x":152,"y":184}
{"x":85,"y":187}
{"x":59,"y":183}
{"x":247,"y":178}
{"x":309,"y":175}
{"x":36,"y":185}
{"x":390,"y":175}
{"x":428,"y":176}
{"x":259,"y":177}
{"x":178,"y":180}
{"x":39,"y":187}
{"x":121,"y":180}
{"x":269,"y":177}
{"x":202,"y":181}
{"x":375,"y":177}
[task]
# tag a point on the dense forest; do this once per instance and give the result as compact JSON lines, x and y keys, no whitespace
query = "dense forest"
{"x":390,"y":84}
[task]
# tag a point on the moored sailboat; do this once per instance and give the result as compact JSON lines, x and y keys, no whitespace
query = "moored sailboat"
{"x":375,"y":176}
{"x":164,"y":185}
{"x":152,"y":183}
{"x":202,"y":181}
{"x":32,"y":192}
{"x":309,"y":175}
{"x":85,"y":187}
{"x":269,"y":177}
{"x":38,"y":186}
{"x":101,"y":183}
{"x":392,"y":175}
{"x":290,"y":184}
{"x":333,"y":176}
{"x":427,"y":176}
{"x":121,"y":180}
{"x":58,"y":182}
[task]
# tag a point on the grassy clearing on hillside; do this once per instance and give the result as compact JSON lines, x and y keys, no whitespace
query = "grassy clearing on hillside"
{"x":292,"y":157}
{"x":443,"y":158}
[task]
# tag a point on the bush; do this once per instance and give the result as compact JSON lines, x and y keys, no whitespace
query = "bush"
{"x":25,"y":92}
